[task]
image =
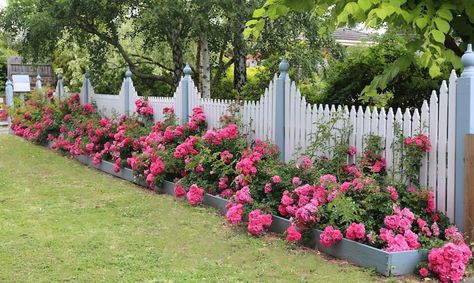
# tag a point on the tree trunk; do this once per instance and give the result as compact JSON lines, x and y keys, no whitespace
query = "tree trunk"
{"x":177,"y":52}
{"x":240,"y":67}
{"x":178,"y":64}
{"x":198,"y":75}
{"x":205,"y":66}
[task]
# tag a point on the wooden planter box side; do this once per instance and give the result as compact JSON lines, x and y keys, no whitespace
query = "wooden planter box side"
{"x":397,"y":263}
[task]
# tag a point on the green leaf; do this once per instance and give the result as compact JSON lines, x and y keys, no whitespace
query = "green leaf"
{"x":434,"y":71}
{"x":445,"y":14}
{"x":397,"y":3}
{"x":381,"y":13}
{"x":342,"y":18}
{"x":438,"y":36}
{"x":364,"y":4}
{"x":351,"y":8}
{"x":425,"y":59}
{"x":258,"y":13}
{"x":421,"y":22}
{"x":251,"y":23}
{"x":442,"y":25}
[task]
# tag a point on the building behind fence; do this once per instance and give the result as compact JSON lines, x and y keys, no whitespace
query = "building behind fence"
{"x":283,"y":116}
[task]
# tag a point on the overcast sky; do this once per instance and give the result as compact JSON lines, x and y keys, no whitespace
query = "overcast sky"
{"x":3,"y":3}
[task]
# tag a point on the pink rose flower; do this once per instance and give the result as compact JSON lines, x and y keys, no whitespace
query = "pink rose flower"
{"x":195,"y":195}
{"x":292,"y":234}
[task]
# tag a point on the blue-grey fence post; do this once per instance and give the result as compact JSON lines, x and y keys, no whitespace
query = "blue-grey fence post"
{"x":39,"y":84}
{"x":85,"y":87}
{"x":185,"y":94}
{"x":9,"y":98}
{"x":280,"y":108}
{"x":9,"y":93}
{"x":464,"y":126}
{"x":60,"y":87}
{"x":126,"y":94}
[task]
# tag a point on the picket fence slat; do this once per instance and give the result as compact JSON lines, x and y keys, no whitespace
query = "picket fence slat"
{"x":451,"y":145}
{"x":433,"y":134}
{"x":442,"y":146}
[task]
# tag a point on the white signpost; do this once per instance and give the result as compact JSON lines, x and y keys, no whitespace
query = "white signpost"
{"x":21,"y":84}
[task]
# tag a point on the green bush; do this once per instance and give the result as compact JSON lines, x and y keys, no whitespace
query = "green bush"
{"x":347,"y":78}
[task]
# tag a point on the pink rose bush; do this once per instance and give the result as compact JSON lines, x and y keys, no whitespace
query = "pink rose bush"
{"x":330,"y":236}
{"x":258,"y":221}
{"x":354,"y":200}
{"x":195,"y":194}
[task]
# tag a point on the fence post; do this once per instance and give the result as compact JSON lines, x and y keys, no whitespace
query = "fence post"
{"x":280,"y":108}
{"x":39,"y":84}
{"x":185,"y":94}
{"x":9,"y":98}
{"x":126,"y":94}
{"x":85,"y":88}
{"x":60,"y":87}
{"x":9,"y":93}
{"x":464,"y":126}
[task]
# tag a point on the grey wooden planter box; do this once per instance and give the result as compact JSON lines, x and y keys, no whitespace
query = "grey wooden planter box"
{"x":167,"y":187}
{"x":386,"y":263}
{"x":216,"y":202}
{"x":279,"y":224}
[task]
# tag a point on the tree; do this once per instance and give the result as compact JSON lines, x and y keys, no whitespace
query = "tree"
{"x":345,"y":79}
{"x":5,"y":51}
{"x":438,"y":31}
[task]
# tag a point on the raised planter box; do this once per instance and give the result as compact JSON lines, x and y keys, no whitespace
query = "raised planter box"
{"x":216,"y":202}
{"x":385,"y":263}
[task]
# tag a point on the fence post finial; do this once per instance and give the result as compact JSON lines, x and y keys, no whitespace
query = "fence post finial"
{"x":185,"y":93}
{"x":39,"y":84}
{"x":126,"y":96}
{"x":187,"y":70}
{"x":128,"y":73}
{"x":468,"y":62}
{"x":464,"y":126}
{"x":284,"y":67}
{"x":280,"y":108}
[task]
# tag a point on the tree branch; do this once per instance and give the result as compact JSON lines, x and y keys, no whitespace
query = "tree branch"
{"x":450,"y":43}
{"x":86,"y":26}
{"x":151,"y":61}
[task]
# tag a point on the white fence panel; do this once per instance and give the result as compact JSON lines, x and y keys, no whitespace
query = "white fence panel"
{"x":435,"y":118}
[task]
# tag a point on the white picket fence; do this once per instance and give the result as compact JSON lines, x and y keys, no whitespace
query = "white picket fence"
{"x":436,"y":118}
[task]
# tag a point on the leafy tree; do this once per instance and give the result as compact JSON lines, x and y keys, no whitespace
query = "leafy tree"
{"x":345,"y":79}
{"x":438,"y":31}
{"x":155,"y":38}
{"x":5,"y":51}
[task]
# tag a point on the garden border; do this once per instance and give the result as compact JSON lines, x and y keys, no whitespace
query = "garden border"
{"x":385,"y":263}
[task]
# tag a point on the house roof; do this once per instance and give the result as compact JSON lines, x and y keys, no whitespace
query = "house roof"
{"x":350,"y":37}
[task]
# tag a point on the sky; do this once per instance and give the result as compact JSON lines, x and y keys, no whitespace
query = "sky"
{"x":3,"y":3}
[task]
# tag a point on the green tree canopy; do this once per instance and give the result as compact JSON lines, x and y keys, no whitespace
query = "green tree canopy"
{"x":437,"y":30}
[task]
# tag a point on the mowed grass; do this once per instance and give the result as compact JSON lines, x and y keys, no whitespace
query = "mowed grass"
{"x":62,"y":221}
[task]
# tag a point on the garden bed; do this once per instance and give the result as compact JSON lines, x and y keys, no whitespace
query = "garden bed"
{"x":367,"y":217}
{"x":385,"y":263}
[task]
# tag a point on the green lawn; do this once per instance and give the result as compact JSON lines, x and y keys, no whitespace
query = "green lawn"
{"x":62,"y":221}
